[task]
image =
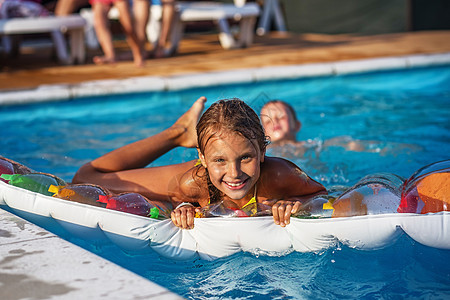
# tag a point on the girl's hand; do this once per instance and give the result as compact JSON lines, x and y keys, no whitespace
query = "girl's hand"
{"x":282,"y":210}
{"x":183,"y":216}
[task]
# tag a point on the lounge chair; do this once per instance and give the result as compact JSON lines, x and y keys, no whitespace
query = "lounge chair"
{"x":72,"y":25}
{"x":217,"y":12}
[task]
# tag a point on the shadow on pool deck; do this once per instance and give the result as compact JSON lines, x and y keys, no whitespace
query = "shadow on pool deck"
{"x":203,"y":53}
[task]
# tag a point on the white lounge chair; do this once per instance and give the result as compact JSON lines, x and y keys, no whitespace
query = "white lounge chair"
{"x":57,"y":26}
{"x":217,"y":12}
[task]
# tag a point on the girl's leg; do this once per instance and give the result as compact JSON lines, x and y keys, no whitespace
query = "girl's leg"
{"x":123,"y":169}
{"x":126,"y":20}
{"x":141,"y":153}
{"x":101,"y":24}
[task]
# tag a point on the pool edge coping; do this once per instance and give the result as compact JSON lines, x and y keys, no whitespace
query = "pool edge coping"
{"x":61,"y":92}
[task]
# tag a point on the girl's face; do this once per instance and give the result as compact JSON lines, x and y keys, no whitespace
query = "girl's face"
{"x":278,"y":122}
{"x":233,"y":164}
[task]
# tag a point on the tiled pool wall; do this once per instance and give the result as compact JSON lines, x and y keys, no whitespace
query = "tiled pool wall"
{"x":59,"y":92}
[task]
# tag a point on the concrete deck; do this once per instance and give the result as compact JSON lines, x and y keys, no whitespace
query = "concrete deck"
{"x":200,"y":53}
{"x":36,"y":264}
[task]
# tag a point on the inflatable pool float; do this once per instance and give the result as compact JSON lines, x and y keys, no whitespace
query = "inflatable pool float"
{"x":370,"y":215}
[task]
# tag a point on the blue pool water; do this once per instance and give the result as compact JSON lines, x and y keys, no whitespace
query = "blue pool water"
{"x":406,"y":114}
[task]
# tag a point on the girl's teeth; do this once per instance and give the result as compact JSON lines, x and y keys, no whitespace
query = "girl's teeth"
{"x":234,"y":184}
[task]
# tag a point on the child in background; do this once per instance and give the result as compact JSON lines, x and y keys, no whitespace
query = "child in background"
{"x":280,"y":122}
{"x":281,"y":125}
{"x":233,"y":166}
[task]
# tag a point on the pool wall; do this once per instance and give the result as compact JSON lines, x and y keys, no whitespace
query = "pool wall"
{"x":47,"y":93}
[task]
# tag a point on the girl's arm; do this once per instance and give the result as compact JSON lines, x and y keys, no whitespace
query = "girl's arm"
{"x":192,"y":193}
{"x":286,"y":187}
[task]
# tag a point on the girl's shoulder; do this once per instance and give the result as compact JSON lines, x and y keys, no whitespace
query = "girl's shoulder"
{"x":280,"y":171}
{"x":282,"y":179}
{"x":277,"y":164}
{"x":192,"y":184}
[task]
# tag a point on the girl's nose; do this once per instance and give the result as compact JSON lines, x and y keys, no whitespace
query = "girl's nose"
{"x":234,"y":170}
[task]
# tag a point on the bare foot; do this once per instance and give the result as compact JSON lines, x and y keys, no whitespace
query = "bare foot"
{"x":139,"y":62}
{"x":162,"y":52}
{"x":187,"y":122}
{"x":103,"y":60}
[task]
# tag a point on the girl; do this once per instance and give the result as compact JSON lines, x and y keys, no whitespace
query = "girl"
{"x":232,"y":167}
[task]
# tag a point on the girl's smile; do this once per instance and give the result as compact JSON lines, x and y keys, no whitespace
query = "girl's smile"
{"x":233,"y":164}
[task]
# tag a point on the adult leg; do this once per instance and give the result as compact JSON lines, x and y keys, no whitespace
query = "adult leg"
{"x":166,"y":26}
{"x":101,"y":25}
{"x":127,"y":22}
{"x":141,"y":12}
{"x":67,"y":7}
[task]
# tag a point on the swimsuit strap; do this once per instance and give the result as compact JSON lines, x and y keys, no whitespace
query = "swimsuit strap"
{"x":253,"y":199}
{"x":198,"y":163}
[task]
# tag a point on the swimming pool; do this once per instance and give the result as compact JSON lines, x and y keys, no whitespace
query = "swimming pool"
{"x":406,"y":112}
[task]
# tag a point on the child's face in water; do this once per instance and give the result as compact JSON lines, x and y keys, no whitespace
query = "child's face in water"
{"x":233,"y":164}
{"x":278,"y":122}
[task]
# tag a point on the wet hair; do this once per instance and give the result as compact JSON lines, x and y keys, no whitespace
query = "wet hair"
{"x":229,"y":116}
{"x":287,"y":105}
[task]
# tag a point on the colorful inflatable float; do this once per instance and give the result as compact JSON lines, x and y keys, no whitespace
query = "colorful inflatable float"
{"x":370,"y":215}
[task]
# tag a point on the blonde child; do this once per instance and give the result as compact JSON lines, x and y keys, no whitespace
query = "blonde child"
{"x":281,"y":124}
{"x":280,"y":121}
{"x":231,"y":145}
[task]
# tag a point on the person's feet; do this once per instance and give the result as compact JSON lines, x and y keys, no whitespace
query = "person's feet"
{"x":104,"y":60}
{"x":139,"y":59}
{"x":163,"y":52}
{"x":187,"y":122}
{"x":139,"y":62}
{"x":160,"y":53}
{"x":138,"y":56}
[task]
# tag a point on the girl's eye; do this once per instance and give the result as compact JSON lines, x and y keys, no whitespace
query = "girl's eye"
{"x":219,"y":160}
{"x":245,"y":157}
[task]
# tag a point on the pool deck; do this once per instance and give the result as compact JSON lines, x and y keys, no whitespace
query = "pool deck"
{"x":37,"y":264}
{"x":272,"y":56}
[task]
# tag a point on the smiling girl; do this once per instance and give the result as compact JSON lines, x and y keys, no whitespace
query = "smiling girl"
{"x":232,"y":166}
